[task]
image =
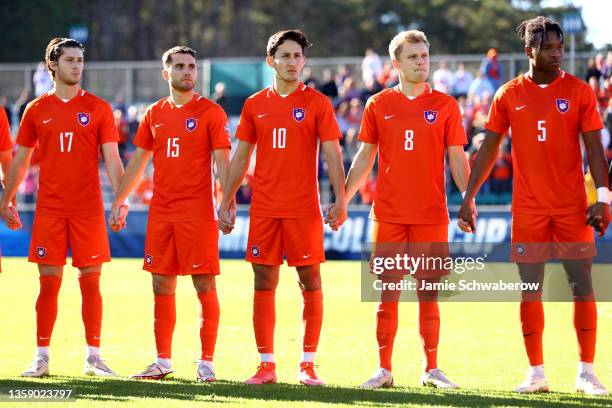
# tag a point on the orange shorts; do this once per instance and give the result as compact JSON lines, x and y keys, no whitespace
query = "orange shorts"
{"x":182,"y":248}
{"x":538,"y":237}
{"x":86,"y":236}
{"x":415,"y":240}
{"x":300,"y":240}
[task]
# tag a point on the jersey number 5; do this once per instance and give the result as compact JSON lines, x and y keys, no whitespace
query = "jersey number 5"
{"x":542,"y":129}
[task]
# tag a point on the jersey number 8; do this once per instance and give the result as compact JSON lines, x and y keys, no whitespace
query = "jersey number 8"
{"x":409,"y":142}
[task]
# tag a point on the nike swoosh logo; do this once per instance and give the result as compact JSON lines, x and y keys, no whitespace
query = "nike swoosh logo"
{"x":388,"y":116}
{"x":195,"y":266}
{"x":382,"y":347}
{"x":96,"y":338}
{"x":431,"y":350}
{"x":260,"y":347}
{"x":158,"y":125}
{"x":47,"y":121}
{"x":95,"y":256}
{"x":44,"y":338}
{"x":518,"y":108}
{"x":261,"y":116}
{"x":306,"y":256}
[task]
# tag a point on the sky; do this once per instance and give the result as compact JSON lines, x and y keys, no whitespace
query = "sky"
{"x":597,"y":16}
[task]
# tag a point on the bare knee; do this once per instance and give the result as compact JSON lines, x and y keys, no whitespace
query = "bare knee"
{"x":204,"y":282}
{"x":309,"y":277}
{"x":266,"y":277}
{"x":164,"y":285}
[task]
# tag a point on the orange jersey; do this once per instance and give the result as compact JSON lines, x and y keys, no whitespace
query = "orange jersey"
{"x":69,"y":135}
{"x":182,"y":140}
{"x":412,"y":137}
{"x":545,"y":124}
{"x":287,"y":131}
{"x":5,"y":132}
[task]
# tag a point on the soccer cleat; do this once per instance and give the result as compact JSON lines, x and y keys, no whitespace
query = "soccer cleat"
{"x":436,"y":378}
{"x":588,"y":383}
{"x":382,"y":378}
{"x":266,"y":374}
{"x":39,"y":368}
{"x":206,"y":373}
{"x":534,"y":382}
{"x":96,"y":366}
{"x":307,"y":375}
{"x":153,"y":372}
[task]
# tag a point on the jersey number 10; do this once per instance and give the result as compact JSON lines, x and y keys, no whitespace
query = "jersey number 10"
{"x":279,"y":138}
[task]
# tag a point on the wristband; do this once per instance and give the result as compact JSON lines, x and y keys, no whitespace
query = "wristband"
{"x":603,"y":195}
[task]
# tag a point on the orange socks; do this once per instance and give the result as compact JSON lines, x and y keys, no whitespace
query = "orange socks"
{"x":164,"y":313}
{"x":46,"y":308}
{"x":209,"y":323}
{"x":429,"y":330}
{"x":91,"y":307}
{"x":585,"y":323}
{"x":312,"y":319}
{"x":386,"y":328}
{"x":532,"y":325}
{"x":264,"y":320}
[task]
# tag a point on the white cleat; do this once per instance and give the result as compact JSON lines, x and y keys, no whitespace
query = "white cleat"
{"x":435,"y":378}
{"x":97,"y":367}
{"x":588,"y":383}
{"x":534,"y":382}
{"x":382,"y":378}
{"x":39,"y":368}
{"x":153,"y":372}
{"x":307,"y":375}
{"x":206,"y":373}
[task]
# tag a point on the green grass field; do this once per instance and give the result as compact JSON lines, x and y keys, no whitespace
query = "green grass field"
{"x":481,"y":346}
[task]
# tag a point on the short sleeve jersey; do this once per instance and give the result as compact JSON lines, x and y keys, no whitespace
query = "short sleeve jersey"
{"x":68,"y":136}
{"x":287,"y":131}
{"x":545,"y":124}
{"x":5,"y":132}
{"x":183,"y":140}
{"x":412,"y":136}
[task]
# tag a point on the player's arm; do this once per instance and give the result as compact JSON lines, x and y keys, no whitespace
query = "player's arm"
{"x":237,"y":170}
{"x":6,"y":157}
{"x":16,"y":174}
{"x":336,"y":214}
{"x":132,"y":175}
{"x":222,"y":160}
{"x":485,"y":160}
{"x":459,"y":167}
{"x":598,"y":215}
{"x":360,"y":168}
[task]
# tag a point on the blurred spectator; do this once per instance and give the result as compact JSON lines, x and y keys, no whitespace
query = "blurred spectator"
{"x":348,"y":90}
{"x":462,"y":82}
{"x":342,"y":117}
{"x":388,"y":77}
{"x":351,"y":145}
{"x":443,"y":78}
{"x":341,"y":74}
{"x":42,"y":80}
{"x":479,"y":86}
{"x":355,"y":113}
{"x":371,"y":66}
{"x":5,"y":105}
{"x":492,"y":69}
{"x":501,"y":175}
{"x":120,"y":104}
{"x":600,"y":92}
{"x":20,"y":104}
{"x":220,"y":96}
{"x":329,"y":87}
{"x":309,"y":79}
{"x":607,"y":116}
{"x":123,"y":131}
{"x":371,"y":87}
{"x":592,"y":71}
{"x":606,"y":70}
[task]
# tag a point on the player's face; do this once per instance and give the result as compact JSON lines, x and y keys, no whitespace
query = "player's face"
{"x":549,"y":55}
{"x":288,"y":61}
{"x":413,"y":62}
{"x":69,"y":66}
{"x":182,"y":72}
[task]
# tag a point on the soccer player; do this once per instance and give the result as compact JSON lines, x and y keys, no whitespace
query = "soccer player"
{"x":546,"y":110}
{"x":288,"y":122}
{"x":182,"y":133}
{"x":68,"y":126}
{"x":6,"y":156}
{"x":412,"y":127}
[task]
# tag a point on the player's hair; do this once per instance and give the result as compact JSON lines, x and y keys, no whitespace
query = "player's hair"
{"x":410,"y":36}
{"x":55,"y":50}
{"x":179,"y":49}
{"x":281,"y":36}
{"x":534,"y":31}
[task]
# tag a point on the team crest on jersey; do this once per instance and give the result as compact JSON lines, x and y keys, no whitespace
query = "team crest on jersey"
{"x":83,"y":119}
{"x":191,"y":124}
{"x":41,"y":252}
{"x":563,"y":105}
{"x":148,"y":259}
{"x":299,"y":114}
{"x":520,"y":249}
{"x":255,"y":251}
{"x":430,"y":116}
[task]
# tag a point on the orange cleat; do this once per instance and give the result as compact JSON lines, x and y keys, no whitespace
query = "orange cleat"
{"x":266,"y":374}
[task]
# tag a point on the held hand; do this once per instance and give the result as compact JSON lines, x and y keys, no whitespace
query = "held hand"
{"x":467,"y":216}
{"x":335,"y":215}
{"x":227,"y":216}
{"x":598,"y":217}
{"x":11,"y":217}
{"x":118,"y":214}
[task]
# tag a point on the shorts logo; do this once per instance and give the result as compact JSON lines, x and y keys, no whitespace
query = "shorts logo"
{"x":430,"y":116}
{"x":520,"y":249}
{"x":148,"y":259}
{"x":191,"y":124}
{"x":254,"y":251}
{"x":563,"y":105}
{"x":83,"y":119}
{"x":41,"y":252}
{"x":299,"y":114}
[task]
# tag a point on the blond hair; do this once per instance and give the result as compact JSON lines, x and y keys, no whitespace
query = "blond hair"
{"x":410,"y":36}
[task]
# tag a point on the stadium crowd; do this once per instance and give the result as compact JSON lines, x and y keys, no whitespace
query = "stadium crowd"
{"x":349,"y":93}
